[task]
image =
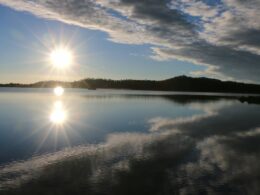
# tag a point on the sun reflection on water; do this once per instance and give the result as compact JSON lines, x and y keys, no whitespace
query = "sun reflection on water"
{"x":58,"y":91}
{"x":58,"y":115}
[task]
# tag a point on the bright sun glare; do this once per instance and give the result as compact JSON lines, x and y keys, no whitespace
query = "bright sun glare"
{"x":61,"y":57}
{"x":58,"y":91}
{"x":58,"y":115}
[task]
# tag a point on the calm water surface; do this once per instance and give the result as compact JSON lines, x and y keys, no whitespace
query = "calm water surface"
{"x":127,"y":142}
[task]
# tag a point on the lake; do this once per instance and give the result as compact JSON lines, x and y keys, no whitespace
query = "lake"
{"x":127,"y":142}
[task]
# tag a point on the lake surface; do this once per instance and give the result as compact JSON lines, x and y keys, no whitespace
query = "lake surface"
{"x":127,"y":142}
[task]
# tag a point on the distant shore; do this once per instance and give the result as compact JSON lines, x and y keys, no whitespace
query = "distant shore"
{"x":180,"y":83}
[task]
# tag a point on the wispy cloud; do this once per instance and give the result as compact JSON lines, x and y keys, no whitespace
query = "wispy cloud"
{"x":223,"y":36}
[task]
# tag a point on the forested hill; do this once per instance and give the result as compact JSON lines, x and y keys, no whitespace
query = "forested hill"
{"x":180,"y":83}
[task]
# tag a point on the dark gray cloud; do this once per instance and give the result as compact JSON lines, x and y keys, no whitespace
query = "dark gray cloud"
{"x":242,"y":65}
{"x":222,"y":36}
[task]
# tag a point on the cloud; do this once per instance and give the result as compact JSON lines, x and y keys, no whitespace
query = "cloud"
{"x":251,"y":133}
{"x":223,"y":36}
{"x":195,"y":8}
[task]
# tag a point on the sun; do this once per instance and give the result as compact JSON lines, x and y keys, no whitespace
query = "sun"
{"x":61,"y":57}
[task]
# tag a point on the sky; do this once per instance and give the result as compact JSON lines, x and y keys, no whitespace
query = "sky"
{"x":119,"y":39}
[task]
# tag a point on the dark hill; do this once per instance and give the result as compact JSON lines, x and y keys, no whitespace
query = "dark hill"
{"x":184,"y":83}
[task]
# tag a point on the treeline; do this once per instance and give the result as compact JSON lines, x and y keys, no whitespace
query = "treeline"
{"x":117,"y":84}
{"x":180,"y":83}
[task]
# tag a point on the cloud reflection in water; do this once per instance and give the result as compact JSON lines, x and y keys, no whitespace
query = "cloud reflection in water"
{"x":213,"y":153}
